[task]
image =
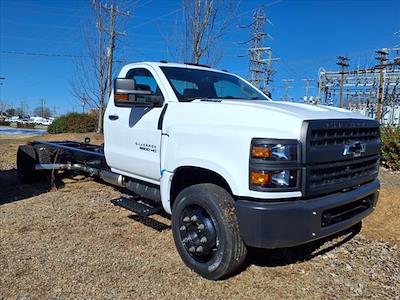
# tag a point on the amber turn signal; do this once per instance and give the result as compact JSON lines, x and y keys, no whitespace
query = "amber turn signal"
{"x":260,"y":179}
{"x":261,"y":152}
{"x":121,"y":97}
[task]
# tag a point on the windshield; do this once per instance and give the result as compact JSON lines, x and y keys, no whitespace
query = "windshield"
{"x":190,"y":84}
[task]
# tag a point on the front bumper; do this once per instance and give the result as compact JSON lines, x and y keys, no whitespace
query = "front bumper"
{"x":291,"y":223}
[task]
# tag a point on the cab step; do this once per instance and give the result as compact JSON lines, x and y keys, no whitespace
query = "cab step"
{"x":138,"y":206}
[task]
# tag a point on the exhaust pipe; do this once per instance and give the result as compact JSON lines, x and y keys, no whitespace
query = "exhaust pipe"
{"x":68,"y":166}
{"x":112,"y":178}
{"x":107,"y":176}
{"x":39,"y":167}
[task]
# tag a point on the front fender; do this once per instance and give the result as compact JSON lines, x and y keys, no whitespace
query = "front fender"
{"x":222,"y":151}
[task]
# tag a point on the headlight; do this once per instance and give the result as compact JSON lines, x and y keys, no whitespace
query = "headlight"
{"x":275,"y":165}
{"x":260,"y":149}
{"x":274,"y":179}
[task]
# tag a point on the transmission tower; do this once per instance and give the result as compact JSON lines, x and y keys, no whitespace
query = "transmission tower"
{"x":260,"y":56}
{"x":307,"y":82}
{"x":286,"y":86}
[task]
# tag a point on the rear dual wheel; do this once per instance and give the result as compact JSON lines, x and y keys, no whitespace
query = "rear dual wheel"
{"x":206,"y":231}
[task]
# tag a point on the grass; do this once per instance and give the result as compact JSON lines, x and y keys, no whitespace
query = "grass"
{"x":73,"y":243}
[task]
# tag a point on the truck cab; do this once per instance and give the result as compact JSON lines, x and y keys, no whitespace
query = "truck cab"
{"x":233,"y":167}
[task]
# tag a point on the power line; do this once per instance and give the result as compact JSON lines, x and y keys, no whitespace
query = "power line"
{"x":39,"y":40}
{"x":151,"y":20}
{"x":43,"y":54}
{"x":38,"y":24}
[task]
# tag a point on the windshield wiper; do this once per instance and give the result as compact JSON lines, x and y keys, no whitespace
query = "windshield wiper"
{"x":257,"y":98}
{"x":230,"y":97}
{"x":189,"y":99}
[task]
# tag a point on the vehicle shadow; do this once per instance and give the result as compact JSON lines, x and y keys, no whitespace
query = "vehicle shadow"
{"x":11,"y":189}
{"x":150,"y":222}
{"x":306,"y":252}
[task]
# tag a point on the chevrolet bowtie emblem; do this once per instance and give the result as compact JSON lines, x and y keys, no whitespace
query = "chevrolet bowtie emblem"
{"x":355,"y":148}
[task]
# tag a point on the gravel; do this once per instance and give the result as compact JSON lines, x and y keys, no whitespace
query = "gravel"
{"x":72,"y":243}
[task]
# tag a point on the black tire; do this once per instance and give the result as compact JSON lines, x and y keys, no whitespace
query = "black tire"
{"x":26,"y":159}
{"x":224,"y":251}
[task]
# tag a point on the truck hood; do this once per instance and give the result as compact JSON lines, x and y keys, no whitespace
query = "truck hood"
{"x":257,"y":118}
{"x":297,"y":110}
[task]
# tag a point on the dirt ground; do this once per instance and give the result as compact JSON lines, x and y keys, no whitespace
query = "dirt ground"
{"x":73,"y":243}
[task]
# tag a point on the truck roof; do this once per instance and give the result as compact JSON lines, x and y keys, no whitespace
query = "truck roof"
{"x":174,"y":64}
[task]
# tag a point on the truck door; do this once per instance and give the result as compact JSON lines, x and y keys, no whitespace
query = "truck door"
{"x":132,"y":139}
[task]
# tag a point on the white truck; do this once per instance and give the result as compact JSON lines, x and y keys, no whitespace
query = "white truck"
{"x":233,"y":168}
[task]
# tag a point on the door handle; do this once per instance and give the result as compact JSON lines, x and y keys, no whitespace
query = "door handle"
{"x":113,"y":117}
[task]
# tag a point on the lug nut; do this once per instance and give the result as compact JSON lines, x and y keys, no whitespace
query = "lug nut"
{"x":186,"y":219}
{"x":200,"y":227}
{"x":193,"y":218}
{"x":199,"y":249}
{"x":203,"y":240}
{"x":191,"y":249}
{"x":183,"y":228}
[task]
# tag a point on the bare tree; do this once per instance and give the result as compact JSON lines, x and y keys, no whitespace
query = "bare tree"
{"x":42,"y":111}
{"x":205,"y":23}
{"x":89,"y":84}
{"x":3,"y":106}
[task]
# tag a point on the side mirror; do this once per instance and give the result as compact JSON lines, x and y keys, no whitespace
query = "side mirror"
{"x":126,"y":94}
{"x":124,"y":85}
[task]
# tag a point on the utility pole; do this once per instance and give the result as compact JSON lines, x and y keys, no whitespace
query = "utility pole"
{"x":112,"y":11}
{"x":260,"y":57}
{"x":382,"y":58}
{"x":84,"y":102}
{"x":22,"y":108}
{"x":42,"y":103}
{"x":307,"y":82}
{"x":343,"y":62}
{"x":286,"y":87}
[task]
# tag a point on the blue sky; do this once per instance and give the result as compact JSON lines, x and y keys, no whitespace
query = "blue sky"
{"x":306,"y":35}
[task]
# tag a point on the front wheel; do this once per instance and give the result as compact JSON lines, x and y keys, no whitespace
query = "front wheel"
{"x":206,"y":232}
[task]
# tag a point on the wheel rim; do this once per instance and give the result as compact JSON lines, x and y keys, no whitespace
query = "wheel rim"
{"x":197,"y":233}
